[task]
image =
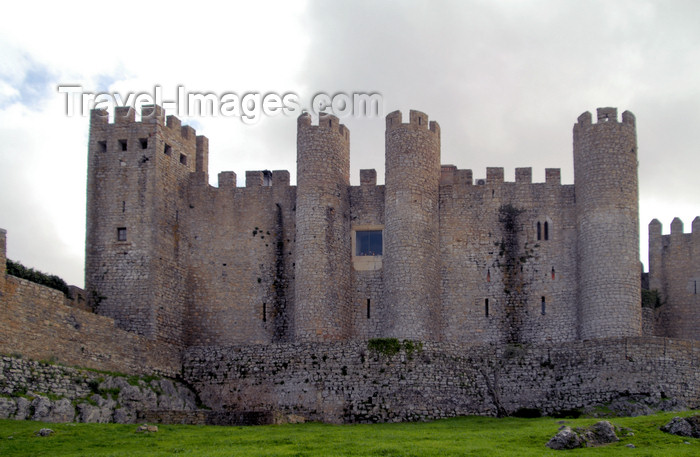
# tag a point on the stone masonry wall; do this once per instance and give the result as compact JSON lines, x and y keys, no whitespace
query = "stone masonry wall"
{"x":37,"y":324}
{"x":56,"y":393}
{"x":508,"y":258}
{"x":347,"y":382}
{"x":674,"y":271}
{"x":241,"y":260}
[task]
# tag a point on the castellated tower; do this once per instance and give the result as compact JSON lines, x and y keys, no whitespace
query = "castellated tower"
{"x":411,"y":241}
{"x":323,"y":245}
{"x":607,"y":224}
{"x":137,"y":179}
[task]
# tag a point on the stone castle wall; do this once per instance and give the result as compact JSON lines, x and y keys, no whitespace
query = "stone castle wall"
{"x":463,"y":260}
{"x":40,"y":323}
{"x":240,"y":248}
{"x":347,"y":382}
{"x":674,"y":271}
{"x":505,"y":279}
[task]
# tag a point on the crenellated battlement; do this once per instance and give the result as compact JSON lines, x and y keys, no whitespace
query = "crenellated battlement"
{"x":325,"y":122}
{"x":604,"y":116}
{"x":451,"y":175}
{"x":417,"y":120}
{"x":656,"y":228}
{"x":150,"y":114}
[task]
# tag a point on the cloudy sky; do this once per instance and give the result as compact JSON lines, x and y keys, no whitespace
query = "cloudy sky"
{"x":506,"y":80}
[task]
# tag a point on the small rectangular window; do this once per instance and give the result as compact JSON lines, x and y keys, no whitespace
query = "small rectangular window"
{"x":544,"y":306}
{"x":486,"y":307}
{"x":122,"y":145}
{"x":121,"y":234}
{"x":167,"y":150}
{"x":183,"y":159}
{"x":102,"y":145}
{"x":368,"y":243}
{"x":144,"y":143}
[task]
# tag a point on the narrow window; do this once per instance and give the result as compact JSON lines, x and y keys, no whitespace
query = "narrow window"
{"x":419,"y":121}
{"x":122,"y":145}
{"x":183,"y":159}
{"x":539,"y":231}
{"x":121,"y":234}
{"x":144,"y":143}
{"x":553,"y":272}
{"x":368,"y":311}
{"x":167,"y":150}
{"x":102,"y":146}
{"x":488,"y":275}
{"x":546,"y":230}
{"x":123,"y":207}
{"x":695,"y":285}
{"x":486,"y":307}
{"x":544,"y":306}
{"x":368,"y":243}
{"x":264,"y":312}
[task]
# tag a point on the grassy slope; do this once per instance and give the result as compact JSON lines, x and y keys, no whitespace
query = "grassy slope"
{"x":469,"y":436}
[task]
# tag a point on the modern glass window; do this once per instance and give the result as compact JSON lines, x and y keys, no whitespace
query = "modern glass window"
{"x":368,"y":242}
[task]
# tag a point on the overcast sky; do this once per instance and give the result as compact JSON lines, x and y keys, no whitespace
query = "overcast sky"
{"x":506,"y":80}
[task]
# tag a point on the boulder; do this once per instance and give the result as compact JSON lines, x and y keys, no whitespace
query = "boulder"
{"x":599,"y":434}
{"x":23,"y":408}
{"x":683,"y":426}
{"x":61,"y":411}
{"x":145,"y":428}
{"x":42,"y":408}
{"x":44,"y":432}
{"x":8,"y":407}
{"x":565,"y":438}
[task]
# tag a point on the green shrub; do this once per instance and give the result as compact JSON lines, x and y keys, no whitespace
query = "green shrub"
{"x":651,"y":299}
{"x":30,"y":274}
{"x":386,"y":346}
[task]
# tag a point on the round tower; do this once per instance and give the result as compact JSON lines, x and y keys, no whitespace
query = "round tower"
{"x":323,"y":245}
{"x":411,"y":240}
{"x":607,"y":224}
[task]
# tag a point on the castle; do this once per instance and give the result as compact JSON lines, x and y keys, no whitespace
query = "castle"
{"x":501,"y":295}
{"x":432,"y":255}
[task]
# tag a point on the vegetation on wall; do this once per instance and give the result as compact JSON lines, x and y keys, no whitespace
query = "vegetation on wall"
{"x":651,"y":299}
{"x":392,"y":346}
{"x":30,"y":274}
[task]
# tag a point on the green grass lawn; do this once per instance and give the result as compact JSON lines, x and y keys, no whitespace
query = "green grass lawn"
{"x":467,"y":436}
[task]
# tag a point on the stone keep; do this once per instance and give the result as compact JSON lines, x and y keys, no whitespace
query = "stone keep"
{"x":463,"y":260}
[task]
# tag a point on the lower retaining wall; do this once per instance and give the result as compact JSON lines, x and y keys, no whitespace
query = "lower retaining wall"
{"x":347,"y":382}
{"x":36,"y":323}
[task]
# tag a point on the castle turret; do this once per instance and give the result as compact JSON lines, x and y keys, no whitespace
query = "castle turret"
{"x":137,"y":174}
{"x":323,"y":245}
{"x":411,"y":234}
{"x":607,"y":224}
